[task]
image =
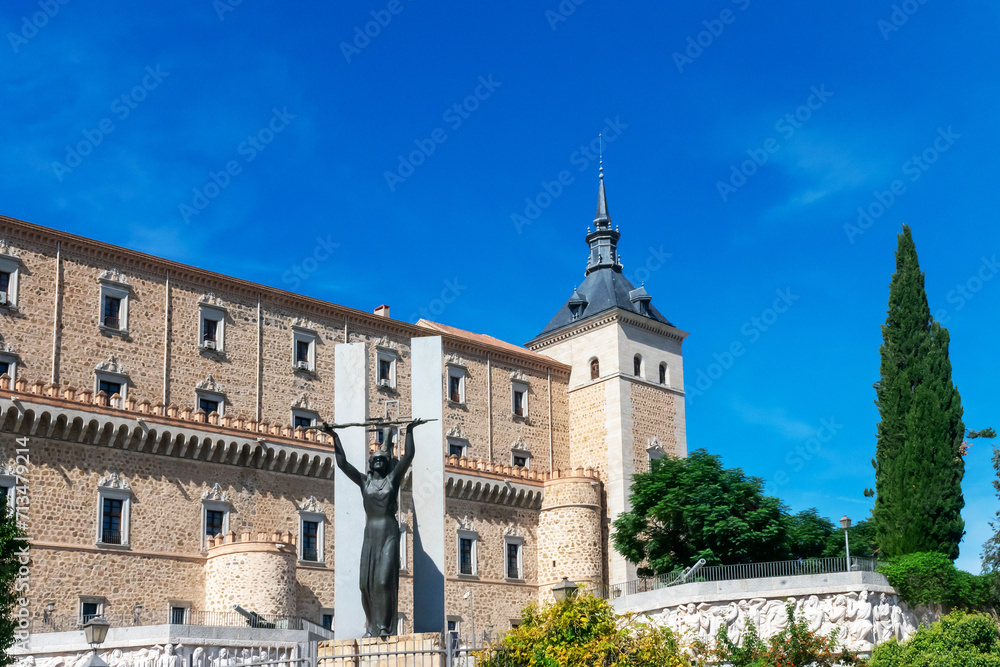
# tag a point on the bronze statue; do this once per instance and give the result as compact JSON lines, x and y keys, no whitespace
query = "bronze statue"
{"x":380,"y":549}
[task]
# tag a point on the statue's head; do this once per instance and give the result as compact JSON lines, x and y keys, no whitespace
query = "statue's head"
{"x":381,"y":461}
{"x":169,"y":648}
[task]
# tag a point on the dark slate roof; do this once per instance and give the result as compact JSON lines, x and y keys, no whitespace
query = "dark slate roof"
{"x":604,"y":290}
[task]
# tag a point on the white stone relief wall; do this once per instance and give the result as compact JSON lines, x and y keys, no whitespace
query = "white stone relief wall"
{"x":862,"y":619}
{"x":173,"y":655}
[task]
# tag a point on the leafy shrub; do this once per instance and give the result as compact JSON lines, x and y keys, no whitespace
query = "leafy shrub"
{"x":795,"y":646}
{"x":584,"y":631}
{"x":957,"y":640}
{"x":931,"y":578}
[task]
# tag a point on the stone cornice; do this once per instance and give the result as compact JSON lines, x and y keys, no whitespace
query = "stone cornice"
{"x":630,"y":378}
{"x":617,"y":315}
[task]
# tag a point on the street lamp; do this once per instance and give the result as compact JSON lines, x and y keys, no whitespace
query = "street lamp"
{"x":95,"y":631}
{"x":845,"y":523}
{"x":564,"y":590}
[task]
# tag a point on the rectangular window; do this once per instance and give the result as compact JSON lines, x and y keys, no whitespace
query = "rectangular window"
{"x":209,"y":331}
{"x":302,"y":352}
{"x":111,"y":525}
{"x":519,"y":402}
{"x":5,"y":282}
{"x":215,"y":522}
{"x":112,"y":312}
{"x":5,"y":368}
{"x":455,"y":389}
{"x":208,"y":405}
{"x":513,"y":560}
{"x":465,"y":555}
{"x":88,"y":610}
{"x":456,"y":450}
{"x":109,"y":388}
{"x":304,"y":422}
{"x":310,"y":540}
{"x":384,"y":369}
{"x":520,"y":461}
{"x":327,"y":621}
{"x":178,"y":615}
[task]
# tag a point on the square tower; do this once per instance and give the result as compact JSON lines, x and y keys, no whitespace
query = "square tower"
{"x":626,"y":388}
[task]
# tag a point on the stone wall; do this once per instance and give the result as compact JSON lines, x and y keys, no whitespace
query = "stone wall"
{"x":570,"y":532}
{"x":656,"y":429}
{"x":257,"y":573}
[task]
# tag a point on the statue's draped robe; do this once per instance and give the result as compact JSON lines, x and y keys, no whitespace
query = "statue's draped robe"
{"x":380,"y":555}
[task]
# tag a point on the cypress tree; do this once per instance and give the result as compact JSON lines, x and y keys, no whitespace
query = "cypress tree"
{"x":918,"y":458}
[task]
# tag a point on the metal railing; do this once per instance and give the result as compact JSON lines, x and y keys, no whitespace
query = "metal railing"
{"x":782,"y":568}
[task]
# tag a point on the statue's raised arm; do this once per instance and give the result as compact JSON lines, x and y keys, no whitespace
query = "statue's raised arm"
{"x":408,"y":451}
{"x":338,"y":452}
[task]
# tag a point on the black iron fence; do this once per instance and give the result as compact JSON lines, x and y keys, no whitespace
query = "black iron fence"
{"x":783,"y":568}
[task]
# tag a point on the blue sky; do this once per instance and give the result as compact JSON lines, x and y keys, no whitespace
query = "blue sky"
{"x":117,"y":115}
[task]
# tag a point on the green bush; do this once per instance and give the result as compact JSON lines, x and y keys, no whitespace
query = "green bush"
{"x":932,"y":578}
{"x":957,"y":640}
{"x":795,"y":646}
{"x":584,"y":631}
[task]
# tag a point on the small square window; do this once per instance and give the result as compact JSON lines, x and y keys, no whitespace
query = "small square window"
{"x":520,"y":461}
{"x":208,"y":405}
{"x":327,"y":621}
{"x":109,"y":388}
{"x":456,"y":450}
{"x":178,"y":615}
{"x":215,"y":522}
{"x":89,"y":610}
{"x":302,"y":420}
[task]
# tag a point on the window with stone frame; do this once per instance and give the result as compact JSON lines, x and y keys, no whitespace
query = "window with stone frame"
{"x":637,"y":365}
{"x":595,"y":369}
{"x":211,"y":328}
{"x":91,"y":607}
{"x":519,"y":399}
{"x":385,"y":367}
{"x":114,"y":311}
{"x":8,"y":366}
{"x":513,"y":558}
{"x":304,"y":349}
{"x":312,"y":530}
{"x":467,"y":557}
{"x":10,"y":273}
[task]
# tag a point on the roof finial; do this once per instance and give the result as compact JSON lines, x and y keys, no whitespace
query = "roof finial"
{"x":600,"y":171}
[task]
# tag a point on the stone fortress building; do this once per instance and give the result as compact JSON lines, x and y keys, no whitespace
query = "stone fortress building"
{"x":166,"y":413}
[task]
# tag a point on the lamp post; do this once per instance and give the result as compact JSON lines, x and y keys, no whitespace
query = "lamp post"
{"x":564,"y":590}
{"x":845,"y":523}
{"x":95,"y":631}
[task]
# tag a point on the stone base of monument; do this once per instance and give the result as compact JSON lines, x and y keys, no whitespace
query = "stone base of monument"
{"x":415,"y":650}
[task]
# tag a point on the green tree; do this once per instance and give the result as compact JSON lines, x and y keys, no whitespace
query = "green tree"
{"x":584,"y":631}
{"x":918,"y":460}
{"x":809,"y":534}
{"x":991,"y":549}
{"x":957,"y":640}
{"x":9,"y":566}
{"x":685,"y":509}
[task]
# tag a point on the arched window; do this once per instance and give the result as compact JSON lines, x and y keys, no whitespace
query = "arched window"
{"x":663,"y":373}
{"x":637,"y":366}
{"x":595,"y":369}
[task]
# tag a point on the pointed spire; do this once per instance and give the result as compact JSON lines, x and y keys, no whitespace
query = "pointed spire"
{"x":602,"y":217}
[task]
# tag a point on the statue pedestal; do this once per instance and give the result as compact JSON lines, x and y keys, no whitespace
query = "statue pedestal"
{"x":415,"y":650}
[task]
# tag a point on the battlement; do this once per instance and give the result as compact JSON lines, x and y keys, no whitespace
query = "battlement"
{"x":277,"y":538}
{"x":69,"y":396}
{"x":481,"y":466}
